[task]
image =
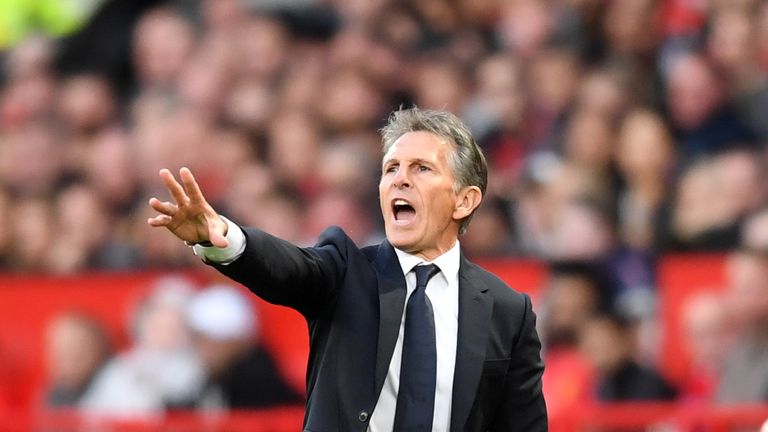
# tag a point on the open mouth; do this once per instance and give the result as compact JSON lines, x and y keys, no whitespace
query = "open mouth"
{"x":403,"y":211}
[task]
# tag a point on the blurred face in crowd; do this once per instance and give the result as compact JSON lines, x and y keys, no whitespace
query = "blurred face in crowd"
{"x":30,"y":161}
{"x":421,"y":209}
{"x":629,"y":26}
{"x":294,"y":141}
{"x":202,"y":83}
{"x":748,"y":290}
{"x":644,"y":147}
{"x":499,"y":85}
{"x":31,"y":56}
{"x":730,"y":38}
{"x":222,"y":14}
{"x":110,"y":168}
{"x":553,"y":78}
{"x":525,"y":26}
{"x":571,"y":300}
{"x":581,"y":232}
{"x":602,"y":92}
{"x":249,"y":106}
{"x":589,"y":140}
{"x":440,"y":85}
{"x":754,"y":232}
{"x":346,"y":167}
{"x":75,"y":349}
{"x":30,"y":87}
{"x":605,"y":344}
{"x":249,"y":188}
{"x":162,"y":42}
{"x":31,"y":232}
{"x":349,"y":102}
{"x":81,"y":226}
{"x":262,"y":48}
{"x":693,"y":93}
{"x":742,"y":181}
{"x":81,"y":217}
{"x":162,"y":327}
{"x":86,"y":102}
{"x":284,"y":219}
{"x":335,"y":208}
{"x":701,"y":204}
{"x":489,"y":234}
{"x":705,"y":327}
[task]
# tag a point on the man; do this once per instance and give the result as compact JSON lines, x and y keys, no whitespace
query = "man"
{"x":744,"y":377}
{"x":407,"y":335}
{"x":241,"y":372}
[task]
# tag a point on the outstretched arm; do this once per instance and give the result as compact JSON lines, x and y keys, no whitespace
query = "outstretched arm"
{"x":190,"y":217}
{"x":274,"y":269}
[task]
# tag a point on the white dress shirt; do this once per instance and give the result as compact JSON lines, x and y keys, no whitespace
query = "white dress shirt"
{"x":443,"y":293}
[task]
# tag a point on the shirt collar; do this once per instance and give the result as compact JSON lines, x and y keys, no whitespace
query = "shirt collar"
{"x":448,"y":263}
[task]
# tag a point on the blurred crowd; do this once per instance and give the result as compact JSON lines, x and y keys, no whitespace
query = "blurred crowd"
{"x":615,"y":131}
{"x":190,"y":349}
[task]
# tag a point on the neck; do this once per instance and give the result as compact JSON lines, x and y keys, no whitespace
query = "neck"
{"x":431,"y":254}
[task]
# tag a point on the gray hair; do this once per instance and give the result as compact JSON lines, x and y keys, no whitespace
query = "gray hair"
{"x":467,"y":161}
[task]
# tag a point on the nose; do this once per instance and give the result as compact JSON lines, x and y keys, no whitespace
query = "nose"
{"x":401,"y":180}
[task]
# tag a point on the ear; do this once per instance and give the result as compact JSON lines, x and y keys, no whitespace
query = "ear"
{"x":467,"y":200}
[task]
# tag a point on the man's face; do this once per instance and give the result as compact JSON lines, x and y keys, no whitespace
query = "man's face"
{"x":420,"y":208}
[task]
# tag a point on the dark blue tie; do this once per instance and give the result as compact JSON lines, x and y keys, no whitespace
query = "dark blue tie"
{"x":418,"y":371}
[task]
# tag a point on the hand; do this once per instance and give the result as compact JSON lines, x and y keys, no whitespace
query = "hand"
{"x":191,"y":218}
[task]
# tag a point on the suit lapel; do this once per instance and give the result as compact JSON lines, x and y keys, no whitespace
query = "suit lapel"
{"x":475,"y":307}
{"x":391,"y":302}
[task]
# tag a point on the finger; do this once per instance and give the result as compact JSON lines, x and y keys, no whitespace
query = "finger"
{"x":190,"y":185}
{"x":159,"y":220}
{"x":177,"y":192}
{"x":164,"y":207}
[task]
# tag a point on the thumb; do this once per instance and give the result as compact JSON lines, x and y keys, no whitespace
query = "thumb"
{"x":217,"y":239}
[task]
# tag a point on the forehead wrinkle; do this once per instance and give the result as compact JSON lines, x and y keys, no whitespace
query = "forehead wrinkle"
{"x":443,"y":142}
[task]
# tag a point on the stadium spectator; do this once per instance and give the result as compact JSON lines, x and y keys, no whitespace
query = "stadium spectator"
{"x":609,"y":344}
{"x":76,"y":350}
{"x":704,"y":122}
{"x":745,"y":374}
{"x":707,"y":339}
{"x":572,"y":296}
{"x":754,"y":233}
{"x":31,"y":232}
{"x":645,"y":159}
{"x":160,"y":370}
{"x":240,"y":372}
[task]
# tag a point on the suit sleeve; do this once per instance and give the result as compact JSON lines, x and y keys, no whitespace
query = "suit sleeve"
{"x":304,"y":279}
{"x":523,"y":407}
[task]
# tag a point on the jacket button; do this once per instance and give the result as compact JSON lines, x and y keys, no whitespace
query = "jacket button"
{"x":363,"y":416}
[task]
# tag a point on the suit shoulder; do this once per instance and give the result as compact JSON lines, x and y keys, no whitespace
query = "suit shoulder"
{"x":334,"y":235}
{"x":502,"y":293}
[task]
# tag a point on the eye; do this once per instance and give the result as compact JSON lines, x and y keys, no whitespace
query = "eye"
{"x":390,"y":169}
{"x":423,"y":168}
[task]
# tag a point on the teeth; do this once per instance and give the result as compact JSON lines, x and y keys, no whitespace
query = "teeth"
{"x":401,"y":202}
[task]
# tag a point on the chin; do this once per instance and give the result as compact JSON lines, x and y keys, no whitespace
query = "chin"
{"x":400,"y":240}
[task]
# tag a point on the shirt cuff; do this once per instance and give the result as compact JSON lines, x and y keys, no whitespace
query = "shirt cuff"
{"x":226,"y":255}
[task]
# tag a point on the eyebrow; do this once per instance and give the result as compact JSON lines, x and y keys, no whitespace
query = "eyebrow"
{"x":412,"y":161}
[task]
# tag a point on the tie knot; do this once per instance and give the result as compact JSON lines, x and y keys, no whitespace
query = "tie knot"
{"x":424,"y":273}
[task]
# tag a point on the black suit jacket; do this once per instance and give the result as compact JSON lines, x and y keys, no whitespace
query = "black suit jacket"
{"x":353,"y":301}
